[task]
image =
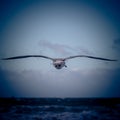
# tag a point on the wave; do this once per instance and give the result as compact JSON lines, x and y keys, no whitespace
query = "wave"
{"x":59,"y":109}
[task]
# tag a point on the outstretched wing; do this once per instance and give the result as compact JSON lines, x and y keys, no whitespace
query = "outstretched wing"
{"x":27,"y":56}
{"x":99,"y":58}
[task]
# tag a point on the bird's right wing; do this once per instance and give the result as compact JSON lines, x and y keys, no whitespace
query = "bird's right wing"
{"x":99,"y":58}
{"x":27,"y":56}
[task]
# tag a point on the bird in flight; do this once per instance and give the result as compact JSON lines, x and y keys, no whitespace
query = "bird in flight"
{"x":58,"y":63}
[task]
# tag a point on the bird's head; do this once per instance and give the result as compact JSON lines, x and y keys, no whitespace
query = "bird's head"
{"x":58,"y":63}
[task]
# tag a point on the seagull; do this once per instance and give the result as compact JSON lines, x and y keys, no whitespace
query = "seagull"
{"x":58,"y":63}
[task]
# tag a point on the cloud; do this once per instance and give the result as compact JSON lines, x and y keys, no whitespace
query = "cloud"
{"x":55,"y":47}
{"x":110,"y":78}
{"x":114,"y":78}
{"x":116,"y":44}
{"x":62,"y":48}
{"x":62,"y":83}
{"x":83,"y":50}
{"x":6,"y":88}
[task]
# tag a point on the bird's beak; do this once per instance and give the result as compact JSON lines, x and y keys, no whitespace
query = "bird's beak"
{"x":65,"y":66}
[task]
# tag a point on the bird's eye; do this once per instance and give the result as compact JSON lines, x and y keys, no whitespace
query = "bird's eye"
{"x":55,"y":65}
{"x":59,"y":65}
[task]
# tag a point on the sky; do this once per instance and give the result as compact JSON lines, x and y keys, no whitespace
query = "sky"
{"x":60,"y":28}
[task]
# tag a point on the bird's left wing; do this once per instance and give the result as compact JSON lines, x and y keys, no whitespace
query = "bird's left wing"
{"x":99,"y":58}
{"x":27,"y":56}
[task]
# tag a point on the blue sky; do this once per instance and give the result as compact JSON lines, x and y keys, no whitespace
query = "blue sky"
{"x":59,"y":28}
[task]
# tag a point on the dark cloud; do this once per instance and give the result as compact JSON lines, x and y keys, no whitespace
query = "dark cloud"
{"x":114,"y":87}
{"x":112,"y":77}
{"x":64,"y":83}
{"x":116,"y":44}
{"x":6,"y":89}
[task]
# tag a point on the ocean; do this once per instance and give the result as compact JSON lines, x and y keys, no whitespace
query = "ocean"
{"x":59,"y":108}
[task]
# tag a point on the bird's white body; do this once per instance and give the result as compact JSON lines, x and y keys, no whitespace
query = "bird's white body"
{"x":59,"y":63}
